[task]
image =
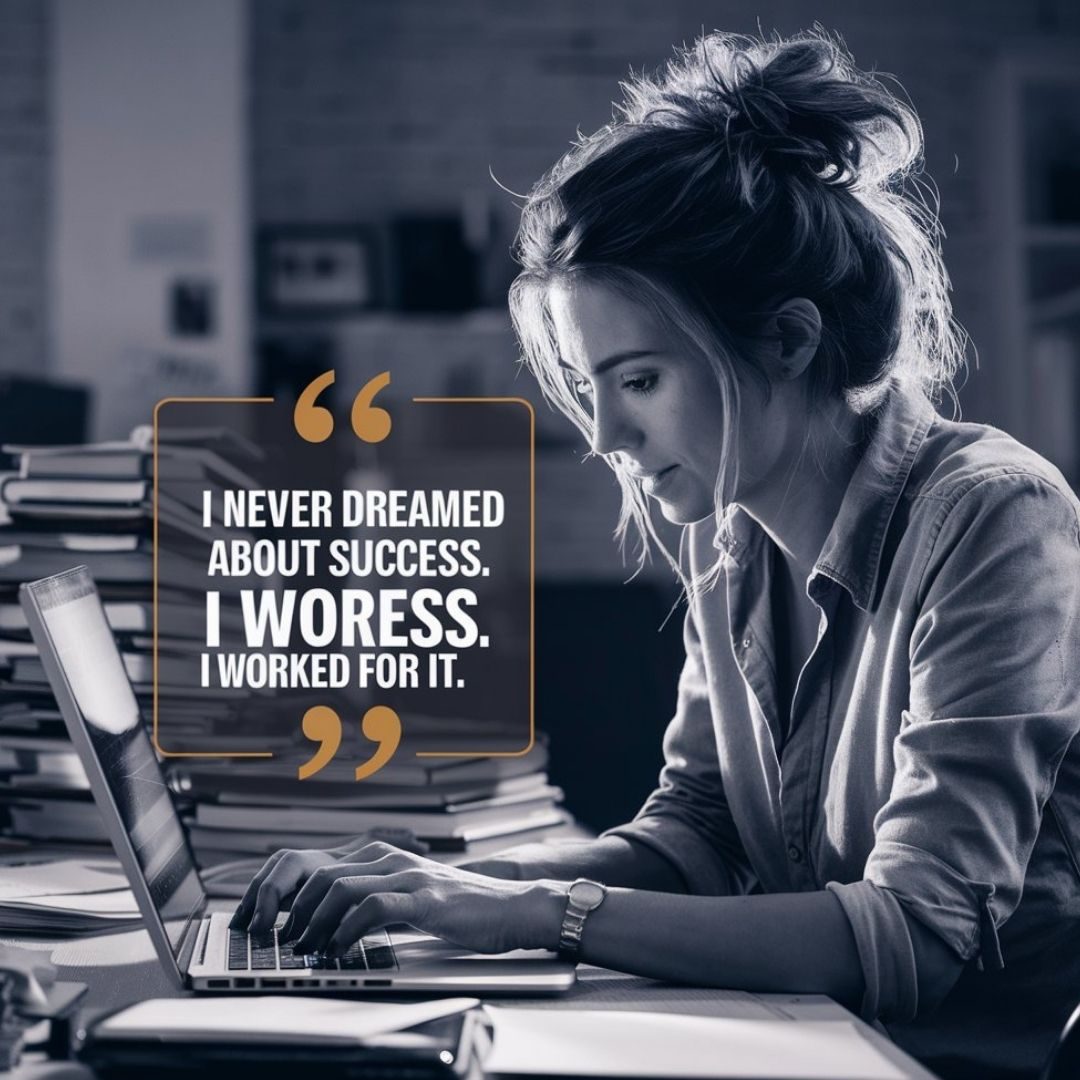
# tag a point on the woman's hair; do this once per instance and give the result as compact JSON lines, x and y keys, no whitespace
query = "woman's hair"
{"x":746,"y":173}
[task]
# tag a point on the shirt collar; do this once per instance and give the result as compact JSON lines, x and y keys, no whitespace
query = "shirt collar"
{"x":851,"y":554}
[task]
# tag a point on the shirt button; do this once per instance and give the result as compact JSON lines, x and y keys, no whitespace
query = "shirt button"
{"x":746,"y":642}
{"x":794,"y":854}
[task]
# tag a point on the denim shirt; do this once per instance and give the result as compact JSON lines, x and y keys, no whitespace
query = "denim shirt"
{"x":927,"y":770}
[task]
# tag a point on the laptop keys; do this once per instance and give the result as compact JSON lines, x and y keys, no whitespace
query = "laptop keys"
{"x":289,"y":961}
{"x":381,"y":956}
{"x":353,"y":959}
{"x":238,"y":951}
{"x":268,"y":953}
{"x":264,"y":958}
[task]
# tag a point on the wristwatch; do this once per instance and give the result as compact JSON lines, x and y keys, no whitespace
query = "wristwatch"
{"x":583,"y":897}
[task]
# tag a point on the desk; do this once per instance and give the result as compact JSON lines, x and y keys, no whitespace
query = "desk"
{"x":112,"y":985}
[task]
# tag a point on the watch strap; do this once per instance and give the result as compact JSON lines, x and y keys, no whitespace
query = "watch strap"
{"x":573,"y":924}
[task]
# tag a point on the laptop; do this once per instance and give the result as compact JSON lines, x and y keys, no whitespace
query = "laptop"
{"x":196,"y":946}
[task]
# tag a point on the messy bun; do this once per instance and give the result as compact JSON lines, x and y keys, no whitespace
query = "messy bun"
{"x":746,"y":173}
{"x":772,"y":109}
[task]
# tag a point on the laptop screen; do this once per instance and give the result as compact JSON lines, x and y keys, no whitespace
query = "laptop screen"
{"x":83,"y":647}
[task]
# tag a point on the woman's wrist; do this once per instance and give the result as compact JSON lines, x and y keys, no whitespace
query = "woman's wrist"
{"x":543,"y":905}
{"x":506,"y":869}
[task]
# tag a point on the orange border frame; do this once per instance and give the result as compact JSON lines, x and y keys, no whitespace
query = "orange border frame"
{"x":532,"y":577}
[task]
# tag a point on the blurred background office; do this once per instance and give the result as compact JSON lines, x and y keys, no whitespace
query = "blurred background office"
{"x":229,"y":196}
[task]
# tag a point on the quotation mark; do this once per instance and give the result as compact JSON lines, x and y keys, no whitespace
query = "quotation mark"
{"x":315,"y":423}
{"x":381,"y":725}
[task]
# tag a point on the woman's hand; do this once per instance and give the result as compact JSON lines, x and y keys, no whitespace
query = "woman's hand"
{"x":380,"y":885}
{"x":287,"y":870}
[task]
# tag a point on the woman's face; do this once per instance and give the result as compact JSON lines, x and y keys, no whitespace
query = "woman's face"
{"x":658,"y":409}
{"x":661,"y":410}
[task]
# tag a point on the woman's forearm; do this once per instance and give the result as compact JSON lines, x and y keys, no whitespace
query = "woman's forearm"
{"x":613,"y":860}
{"x":789,"y":942}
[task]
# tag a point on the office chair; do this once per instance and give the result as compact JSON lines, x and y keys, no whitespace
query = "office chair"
{"x":1064,"y":1060}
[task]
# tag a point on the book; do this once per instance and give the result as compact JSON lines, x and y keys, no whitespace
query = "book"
{"x":436,"y":823}
{"x":453,"y":835}
{"x":16,"y":491}
{"x":10,"y":647}
{"x":404,"y":770}
{"x":172,"y":670}
{"x":73,"y":541}
{"x":31,"y":563}
{"x":125,"y":461}
{"x":93,"y":517}
{"x":116,"y":568}
{"x":248,"y":791}
{"x":228,"y":440}
{"x":410,"y":800}
{"x":173,"y":514}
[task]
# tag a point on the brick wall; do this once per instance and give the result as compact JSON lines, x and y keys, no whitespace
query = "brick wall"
{"x":24,"y":161}
{"x":361,"y":109}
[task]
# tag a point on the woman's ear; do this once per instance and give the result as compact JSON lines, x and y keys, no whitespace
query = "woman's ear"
{"x":794,"y":334}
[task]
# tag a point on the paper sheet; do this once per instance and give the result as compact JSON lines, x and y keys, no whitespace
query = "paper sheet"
{"x":106,"y":950}
{"x":65,"y":877}
{"x":119,"y":902}
{"x":278,"y":1018}
{"x":531,"y":1042}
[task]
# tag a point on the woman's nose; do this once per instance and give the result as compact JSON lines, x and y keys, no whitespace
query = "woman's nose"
{"x":612,"y":430}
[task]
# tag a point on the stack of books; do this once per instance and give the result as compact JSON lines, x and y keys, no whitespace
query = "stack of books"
{"x":457,"y":807}
{"x":44,"y":793}
{"x":91,"y":505}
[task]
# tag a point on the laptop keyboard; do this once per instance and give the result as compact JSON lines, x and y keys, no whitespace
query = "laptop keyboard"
{"x":269,"y":953}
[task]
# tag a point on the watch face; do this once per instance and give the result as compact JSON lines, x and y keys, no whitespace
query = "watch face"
{"x":587,"y":894}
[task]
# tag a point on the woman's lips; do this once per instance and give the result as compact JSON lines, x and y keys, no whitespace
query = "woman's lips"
{"x":658,"y":481}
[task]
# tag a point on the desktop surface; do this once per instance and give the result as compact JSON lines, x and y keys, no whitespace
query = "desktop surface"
{"x":120,"y":969}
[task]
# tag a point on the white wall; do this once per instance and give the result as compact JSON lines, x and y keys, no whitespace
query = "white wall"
{"x":150,"y":183}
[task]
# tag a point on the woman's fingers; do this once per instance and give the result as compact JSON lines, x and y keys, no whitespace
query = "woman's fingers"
{"x":369,"y":851}
{"x":284,"y":878}
{"x":311,"y":895}
{"x":372,"y":859}
{"x":372,"y":913}
{"x":343,"y":894}
{"x":247,"y":902}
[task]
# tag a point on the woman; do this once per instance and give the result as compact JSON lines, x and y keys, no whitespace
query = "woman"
{"x":871,"y":788}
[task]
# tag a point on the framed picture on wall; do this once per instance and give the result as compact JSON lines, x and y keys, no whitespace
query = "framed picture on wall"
{"x":313,"y":271}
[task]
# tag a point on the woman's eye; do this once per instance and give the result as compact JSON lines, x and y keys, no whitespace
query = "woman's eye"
{"x":641,"y":384}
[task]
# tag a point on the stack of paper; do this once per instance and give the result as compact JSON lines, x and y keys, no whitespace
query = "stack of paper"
{"x":609,"y":1043}
{"x":251,"y":809}
{"x":68,"y":896}
{"x":91,"y":505}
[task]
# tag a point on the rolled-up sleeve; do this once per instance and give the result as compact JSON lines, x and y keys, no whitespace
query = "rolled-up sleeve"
{"x":687,"y":819}
{"x":994,"y":705}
